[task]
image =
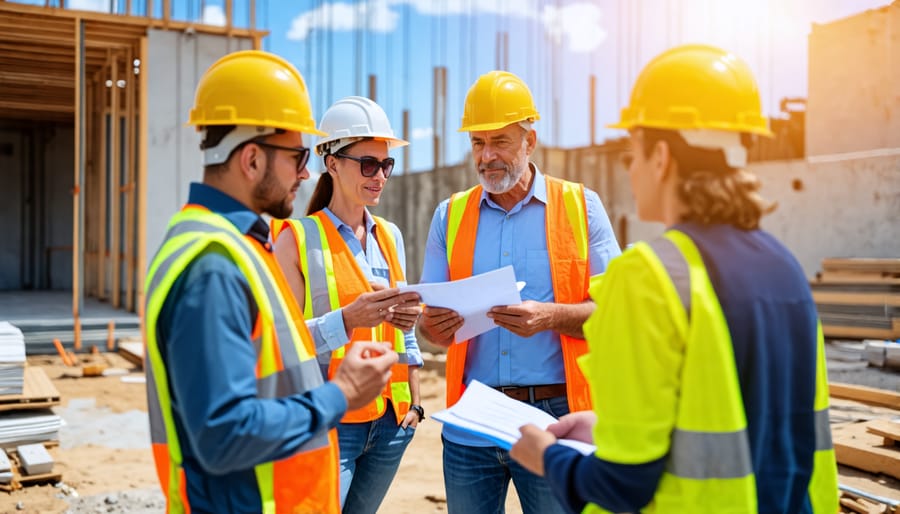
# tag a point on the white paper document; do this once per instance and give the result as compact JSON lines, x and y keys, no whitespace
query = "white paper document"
{"x":490,"y":414}
{"x":472,"y":298}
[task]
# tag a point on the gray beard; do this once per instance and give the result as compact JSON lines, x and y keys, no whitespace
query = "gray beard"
{"x":505,"y":184}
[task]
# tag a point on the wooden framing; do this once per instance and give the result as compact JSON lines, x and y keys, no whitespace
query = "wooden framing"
{"x":78,"y":68}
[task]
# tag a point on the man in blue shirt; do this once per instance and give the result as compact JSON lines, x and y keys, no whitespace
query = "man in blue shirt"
{"x":525,"y":356}
{"x":237,"y":404}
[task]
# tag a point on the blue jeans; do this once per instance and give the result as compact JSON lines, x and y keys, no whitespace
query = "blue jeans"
{"x":370,"y":456}
{"x":477,"y":478}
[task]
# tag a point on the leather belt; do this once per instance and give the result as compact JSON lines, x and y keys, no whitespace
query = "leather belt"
{"x":533,"y":393}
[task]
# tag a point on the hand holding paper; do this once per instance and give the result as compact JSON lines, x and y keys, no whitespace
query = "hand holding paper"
{"x":490,"y":414}
{"x":472,"y":298}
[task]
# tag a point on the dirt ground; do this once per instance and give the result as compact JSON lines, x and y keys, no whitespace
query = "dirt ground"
{"x":106,"y":465}
{"x":115,"y":479}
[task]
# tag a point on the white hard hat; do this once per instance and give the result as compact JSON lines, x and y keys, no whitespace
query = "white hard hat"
{"x":353,"y":119}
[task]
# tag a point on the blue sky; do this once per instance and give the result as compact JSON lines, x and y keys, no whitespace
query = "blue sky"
{"x":554,"y":45}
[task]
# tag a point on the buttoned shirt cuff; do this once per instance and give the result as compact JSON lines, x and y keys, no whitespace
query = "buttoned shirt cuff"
{"x":328,"y":331}
{"x":413,"y":354}
{"x":330,"y":394}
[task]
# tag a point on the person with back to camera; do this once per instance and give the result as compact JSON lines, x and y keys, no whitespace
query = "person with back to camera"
{"x":706,"y":361}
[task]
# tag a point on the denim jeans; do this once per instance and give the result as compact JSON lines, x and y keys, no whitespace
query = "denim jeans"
{"x":370,"y":456}
{"x":477,"y":478}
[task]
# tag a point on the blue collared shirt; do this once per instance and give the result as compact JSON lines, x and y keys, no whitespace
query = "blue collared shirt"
{"x":374,"y":266}
{"x":516,"y":237}
{"x":204,"y":332}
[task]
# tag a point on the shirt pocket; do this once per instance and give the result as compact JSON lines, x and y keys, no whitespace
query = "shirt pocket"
{"x":538,"y":283}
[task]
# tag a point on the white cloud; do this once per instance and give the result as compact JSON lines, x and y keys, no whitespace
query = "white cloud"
{"x":579,"y":24}
{"x":520,"y":8}
{"x":89,"y":5}
{"x":341,"y":16}
{"x":422,"y":133}
{"x":213,"y":15}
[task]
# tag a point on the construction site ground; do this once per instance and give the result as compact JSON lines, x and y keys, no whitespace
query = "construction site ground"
{"x":106,"y":464}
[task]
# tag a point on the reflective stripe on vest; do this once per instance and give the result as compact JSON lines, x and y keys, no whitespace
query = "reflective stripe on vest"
{"x":709,"y":463}
{"x":328,"y":265}
{"x":285,"y":366}
{"x":567,"y":248}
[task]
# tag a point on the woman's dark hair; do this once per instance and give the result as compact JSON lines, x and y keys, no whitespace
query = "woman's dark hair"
{"x":712,"y":191}
{"x":324,"y":187}
{"x":321,"y":194}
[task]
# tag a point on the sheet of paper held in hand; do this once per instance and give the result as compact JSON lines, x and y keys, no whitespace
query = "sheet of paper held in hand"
{"x":490,"y":414}
{"x":472,"y":298}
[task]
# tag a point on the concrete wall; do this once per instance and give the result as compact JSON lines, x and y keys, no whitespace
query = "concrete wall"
{"x":855,"y":105}
{"x":836,"y":207}
{"x":176,"y":61}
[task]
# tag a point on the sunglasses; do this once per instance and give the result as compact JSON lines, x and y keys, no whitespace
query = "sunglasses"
{"x":369,"y":166}
{"x":302,"y":152}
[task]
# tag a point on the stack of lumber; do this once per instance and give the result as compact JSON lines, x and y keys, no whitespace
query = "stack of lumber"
{"x":859,"y":298}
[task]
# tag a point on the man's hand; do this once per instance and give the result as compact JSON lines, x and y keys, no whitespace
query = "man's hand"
{"x":526,"y":319}
{"x":405,"y":318}
{"x":529,"y":449}
{"x":577,"y":425}
{"x":439,"y":324}
{"x":364,"y":372}
{"x":371,"y":309}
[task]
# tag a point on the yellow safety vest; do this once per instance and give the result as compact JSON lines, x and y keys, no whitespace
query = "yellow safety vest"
{"x":327,"y":263}
{"x":567,"y":246}
{"x":709,"y":466}
{"x":286,"y":365}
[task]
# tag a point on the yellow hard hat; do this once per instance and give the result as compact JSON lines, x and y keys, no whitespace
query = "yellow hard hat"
{"x":495,"y":100}
{"x":695,"y":87}
{"x":256,"y":88}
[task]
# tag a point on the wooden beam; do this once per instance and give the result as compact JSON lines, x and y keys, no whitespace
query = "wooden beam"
{"x":867,"y":395}
{"x":142,"y":180}
{"x":30,"y":79}
{"x":78,"y":181}
{"x":37,"y":106}
{"x":115,"y":183}
{"x":130,"y":117}
{"x":101,"y":205}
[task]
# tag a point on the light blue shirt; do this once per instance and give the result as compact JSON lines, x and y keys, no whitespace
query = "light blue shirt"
{"x":375,"y":268}
{"x":517,"y":237}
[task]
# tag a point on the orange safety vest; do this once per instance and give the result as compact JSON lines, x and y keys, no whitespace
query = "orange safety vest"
{"x":326,"y":261}
{"x":286,"y":365}
{"x":567,"y":244}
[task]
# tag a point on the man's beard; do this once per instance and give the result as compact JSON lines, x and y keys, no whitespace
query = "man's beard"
{"x":264,"y":192}
{"x":498,"y":187}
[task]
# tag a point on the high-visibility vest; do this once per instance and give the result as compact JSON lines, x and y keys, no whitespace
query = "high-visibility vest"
{"x":286,"y":365}
{"x":567,"y":246}
{"x":709,"y":467}
{"x":328,"y":264}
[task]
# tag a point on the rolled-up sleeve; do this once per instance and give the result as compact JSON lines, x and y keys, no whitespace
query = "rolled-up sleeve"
{"x":328,"y":331}
{"x":603,"y":246}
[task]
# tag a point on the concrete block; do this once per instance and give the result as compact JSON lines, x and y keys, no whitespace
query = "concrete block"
{"x":876,"y":353}
{"x":35,"y":459}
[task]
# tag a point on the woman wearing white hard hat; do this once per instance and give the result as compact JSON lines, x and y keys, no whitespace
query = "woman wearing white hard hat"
{"x":344,"y":266}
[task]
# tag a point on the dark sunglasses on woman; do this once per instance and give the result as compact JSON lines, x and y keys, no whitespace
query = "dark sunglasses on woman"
{"x":369,"y":166}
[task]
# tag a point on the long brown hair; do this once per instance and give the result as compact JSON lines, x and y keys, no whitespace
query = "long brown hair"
{"x":712,"y":191}
{"x":321,"y":194}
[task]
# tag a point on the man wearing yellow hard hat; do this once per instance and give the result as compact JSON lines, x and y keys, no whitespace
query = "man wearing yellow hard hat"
{"x":556,"y":235}
{"x":706,"y":361}
{"x":240,"y":418}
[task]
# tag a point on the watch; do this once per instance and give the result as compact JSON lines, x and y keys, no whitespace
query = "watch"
{"x":419,"y":410}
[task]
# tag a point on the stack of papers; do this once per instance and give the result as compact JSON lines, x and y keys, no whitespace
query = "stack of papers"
{"x":17,"y":428}
{"x":12,"y":359}
{"x":472,"y":298}
{"x":490,"y":414}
